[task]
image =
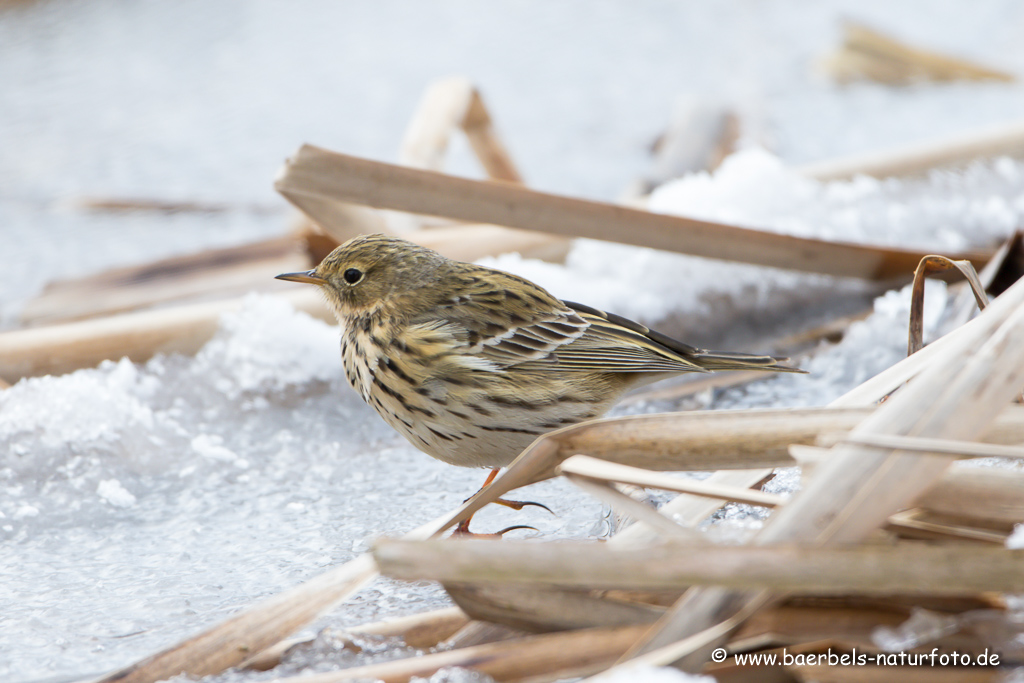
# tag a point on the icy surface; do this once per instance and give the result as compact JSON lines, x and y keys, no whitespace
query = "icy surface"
{"x":164,"y":496}
{"x":141,"y":503}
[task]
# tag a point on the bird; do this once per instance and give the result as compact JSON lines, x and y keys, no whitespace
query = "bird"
{"x":472,"y":364}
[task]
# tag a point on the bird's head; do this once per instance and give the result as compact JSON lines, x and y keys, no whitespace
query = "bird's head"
{"x":373,"y":273}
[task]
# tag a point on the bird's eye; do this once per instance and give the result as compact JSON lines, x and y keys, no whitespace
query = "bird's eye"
{"x":352,"y":275}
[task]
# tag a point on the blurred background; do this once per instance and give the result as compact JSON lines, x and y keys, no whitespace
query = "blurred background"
{"x":193,"y":102}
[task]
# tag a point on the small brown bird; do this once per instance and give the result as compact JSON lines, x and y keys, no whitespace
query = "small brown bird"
{"x":472,"y":364}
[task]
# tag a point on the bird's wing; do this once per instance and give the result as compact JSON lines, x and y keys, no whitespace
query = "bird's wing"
{"x":617,"y":344}
{"x":504,"y":321}
{"x":499,"y":321}
{"x":623,"y":345}
{"x":494,"y":328}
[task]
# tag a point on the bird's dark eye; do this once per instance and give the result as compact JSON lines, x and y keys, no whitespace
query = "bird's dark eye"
{"x":352,"y":275}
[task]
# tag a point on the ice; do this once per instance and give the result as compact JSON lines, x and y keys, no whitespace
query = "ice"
{"x":189,"y":487}
{"x":922,"y":627}
{"x":114,"y":493}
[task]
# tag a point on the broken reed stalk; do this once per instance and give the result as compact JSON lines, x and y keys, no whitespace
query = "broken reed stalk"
{"x":328,"y":176}
{"x":867,"y":53}
{"x":921,"y":525}
{"x":929,"y":265}
{"x":451,"y":104}
{"x":908,"y":569}
{"x":852,"y":493}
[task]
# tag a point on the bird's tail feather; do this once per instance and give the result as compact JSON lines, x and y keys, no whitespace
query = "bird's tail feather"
{"x":725,"y":360}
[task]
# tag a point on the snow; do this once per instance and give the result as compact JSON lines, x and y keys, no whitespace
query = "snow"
{"x":1016,"y":540}
{"x":140,"y":503}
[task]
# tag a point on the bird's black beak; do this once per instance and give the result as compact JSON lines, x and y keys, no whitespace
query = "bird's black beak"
{"x":307,"y":276}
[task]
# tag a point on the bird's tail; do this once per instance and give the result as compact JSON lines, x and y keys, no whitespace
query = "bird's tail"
{"x":727,"y":360}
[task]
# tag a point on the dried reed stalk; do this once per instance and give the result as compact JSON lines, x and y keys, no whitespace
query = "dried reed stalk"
{"x":56,"y":349}
{"x":447,"y":105}
{"x":914,"y":160}
{"x":980,"y":370}
{"x":325,"y":175}
{"x":962,"y":449}
{"x":453,"y":104}
{"x":541,"y":608}
{"x":169,"y":206}
{"x":535,"y":608}
{"x":870,"y":54}
{"x":871,"y":570}
{"x":994,"y":495}
{"x":215,"y":273}
{"x":922,"y":525}
{"x":586,"y":467}
{"x":978,"y":494}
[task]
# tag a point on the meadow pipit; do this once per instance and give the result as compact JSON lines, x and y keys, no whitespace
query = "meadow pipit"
{"x":472,"y":364}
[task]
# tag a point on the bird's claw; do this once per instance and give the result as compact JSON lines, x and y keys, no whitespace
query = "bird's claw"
{"x":520,"y":504}
{"x":462,"y":531}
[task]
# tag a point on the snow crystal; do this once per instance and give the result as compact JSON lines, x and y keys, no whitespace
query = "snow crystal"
{"x":454,"y":674}
{"x":923,"y":626}
{"x":114,"y":493}
{"x":266,"y":347}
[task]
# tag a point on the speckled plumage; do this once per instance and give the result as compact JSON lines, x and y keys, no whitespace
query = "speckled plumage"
{"x":472,"y":364}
